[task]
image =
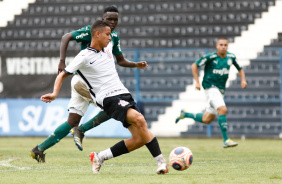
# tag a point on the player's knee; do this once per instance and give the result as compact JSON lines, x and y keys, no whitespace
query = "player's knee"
{"x":208,"y":121}
{"x":140,"y":122}
{"x":222,"y":110}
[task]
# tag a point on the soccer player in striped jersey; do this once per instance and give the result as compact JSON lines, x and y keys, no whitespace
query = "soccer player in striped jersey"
{"x":80,"y":96}
{"x":216,"y":73}
{"x":95,"y":65}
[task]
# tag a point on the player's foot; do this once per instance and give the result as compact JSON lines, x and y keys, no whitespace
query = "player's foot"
{"x":38,"y":155}
{"x":77,"y":136}
{"x":181,"y":116}
{"x":162,"y":168}
{"x":229,"y":143}
{"x":96,"y":162}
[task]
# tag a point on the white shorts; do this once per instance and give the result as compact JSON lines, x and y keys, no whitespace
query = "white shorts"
{"x":215,"y":99}
{"x":79,"y":103}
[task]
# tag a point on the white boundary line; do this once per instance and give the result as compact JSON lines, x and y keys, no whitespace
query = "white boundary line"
{"x":6,"y":163}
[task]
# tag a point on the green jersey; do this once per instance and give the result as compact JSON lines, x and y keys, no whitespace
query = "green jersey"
{"x":83,"y":36}
{"x":217,"y":69}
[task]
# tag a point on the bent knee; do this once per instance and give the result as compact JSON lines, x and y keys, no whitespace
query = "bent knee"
{"x":208,"y":121}
{"x":208,"y":118}
{"x":222,"y":110}
{"x":140,"y":121}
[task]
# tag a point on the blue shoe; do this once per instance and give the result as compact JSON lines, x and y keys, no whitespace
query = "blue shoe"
{"x":229,"y":143}
{"x":181,"y":116}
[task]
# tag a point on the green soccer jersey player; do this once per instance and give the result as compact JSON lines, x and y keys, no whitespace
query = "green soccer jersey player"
{"x":80,"y":96}
{"x":216,"y":71}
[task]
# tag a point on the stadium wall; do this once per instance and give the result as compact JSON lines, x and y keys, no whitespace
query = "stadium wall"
{"x":32,"y":117}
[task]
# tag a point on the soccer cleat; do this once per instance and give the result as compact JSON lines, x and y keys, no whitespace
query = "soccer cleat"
{"x":96,"y":162}
{"x":181,"y":116}
{"x":229,"y":143}
{"x":162,"y":168}
{"x":77,"y":136}
{"x":38,"y":155}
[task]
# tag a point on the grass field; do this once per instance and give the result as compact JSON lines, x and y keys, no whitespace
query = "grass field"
{"x":253,"y":161}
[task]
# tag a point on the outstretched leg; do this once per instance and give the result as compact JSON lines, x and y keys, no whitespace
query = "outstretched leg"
{"x":140,"y":136}
{"x":184,"y":114}
{"x":59,"y":133}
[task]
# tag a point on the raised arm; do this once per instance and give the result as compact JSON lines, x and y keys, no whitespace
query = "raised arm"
{"x":243,"y":79}
{"x":63,"y":50}
{"x":194,"y":68}
{"x":121,"y":61}
{"x":57,"y":86}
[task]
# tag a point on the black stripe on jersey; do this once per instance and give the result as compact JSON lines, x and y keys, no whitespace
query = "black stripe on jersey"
{"x":84,"y":78}
{"x":92,"y":93}
{"x":67,"y":72}
{"x":100,"y":105}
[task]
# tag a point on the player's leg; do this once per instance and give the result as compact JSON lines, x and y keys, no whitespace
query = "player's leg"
{"x":78,"y":132}
{"x":141,"y":135}
{"x":137,"y":125}
{"x":60,"y":132}
{"x":216,"y":101}
{"x":95,"y":121}
{"x":78,"y":104}
{"x":206,"y":117}
{"x":222,"y":110}
{"x":77,"y":107}
{"x":196,"y":116}
{"x":122,"y":147}
{"x":227,"y":142}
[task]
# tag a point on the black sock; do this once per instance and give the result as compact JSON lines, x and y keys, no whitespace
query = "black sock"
{"x":153,"y":147}
{"x":119,"y":149}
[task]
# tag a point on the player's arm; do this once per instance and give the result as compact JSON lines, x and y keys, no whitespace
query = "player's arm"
{"x":241,"y":73}
{"x":195,"y":73}
{"x":63,"y":51}
{"x":243,"y":79}
{"x":121,"y":61}
{"x":57,"y":86}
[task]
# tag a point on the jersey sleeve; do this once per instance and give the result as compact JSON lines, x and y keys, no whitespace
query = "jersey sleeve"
{"x":77,"y":63}
{"x":116,"y":48}
{"x":202,"y":61}
{"x":82,"y":34}
{"x":238,"y":67}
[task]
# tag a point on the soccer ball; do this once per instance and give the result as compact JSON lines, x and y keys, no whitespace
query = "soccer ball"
{"x":180,"y":158}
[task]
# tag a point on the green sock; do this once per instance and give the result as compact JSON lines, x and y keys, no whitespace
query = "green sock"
{"x":60,"y":132}
{"x":95,"y":121}
{"x":223,"y":126}
{"x":197,"y":117}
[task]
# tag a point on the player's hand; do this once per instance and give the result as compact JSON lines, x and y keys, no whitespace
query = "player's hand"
{"x":244,"y":84}
{"x":61,"y":67}
{"x":142,"y":65}
{"x":198,"y":86}
{"x":48,"y":97}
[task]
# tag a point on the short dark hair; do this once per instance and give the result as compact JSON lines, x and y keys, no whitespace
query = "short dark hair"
{"x":98,"y":24}
{"x":222,"y":38}
{"x":112,"y":8}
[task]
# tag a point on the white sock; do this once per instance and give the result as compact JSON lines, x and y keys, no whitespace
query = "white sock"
{"x":160,"y":159}
{"x":106,"y":154}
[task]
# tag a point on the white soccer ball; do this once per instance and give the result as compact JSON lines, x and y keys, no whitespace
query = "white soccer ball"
{"x":180,"y":158}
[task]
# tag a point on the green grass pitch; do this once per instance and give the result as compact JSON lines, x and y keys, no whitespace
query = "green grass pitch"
{"x":253,"y":161}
